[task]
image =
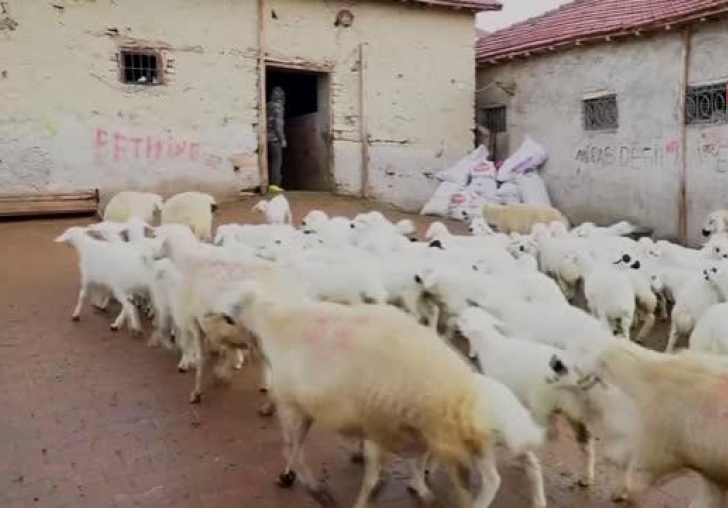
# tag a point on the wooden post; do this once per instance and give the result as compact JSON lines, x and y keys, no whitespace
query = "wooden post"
{"x":262,"y":102}
{"x":682,"y":204}
{"x":364,"y":134}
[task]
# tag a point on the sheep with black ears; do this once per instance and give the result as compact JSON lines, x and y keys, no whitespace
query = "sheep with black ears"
{"x":716,"y":223}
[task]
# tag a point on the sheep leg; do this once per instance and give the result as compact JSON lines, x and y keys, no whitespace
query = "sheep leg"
{"x":535,"y":478}
{"x":647,"y":324}
{"x":203,"y":356}
{"x":672,"y":340}
{"x":418,"y":483}
{"x":81,"y":299}
{"x":239,"y":359}
{"x":184,"y":344}
{"x":225,"y":364}
{"x":491,"y":480}
{"x":265,"y":385}
{"x":462,"y":494}
{"x":103,"y":303}
{"x":373,"y":464}
{"x":586,"y":443}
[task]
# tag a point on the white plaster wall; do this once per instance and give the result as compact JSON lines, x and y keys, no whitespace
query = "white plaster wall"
{"x":630,"y":173}
{"x":419,"y":103}
{"x":67,"y":123}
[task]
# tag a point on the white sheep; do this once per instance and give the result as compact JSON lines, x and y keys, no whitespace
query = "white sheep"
{"x":520,"y":218}
{"x":609,"y":294}
{"x":691,"y":302}
{"x":681,"y":409}
{"x":276,"y":211}
{"x":331,"y":363}
{"x":526,"y":368}
{"x":715,"y":223}
{"x":193,"y":209}
{"x":127,"y":204}
{"x":121,"y":268}
{"x":710,"y":334}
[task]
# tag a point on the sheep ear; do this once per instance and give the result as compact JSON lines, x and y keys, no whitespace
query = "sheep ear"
{"x":124,"y":234}
{"x":213,"y":207}
{"x":558,"y":366}
{"x":95,"y":234}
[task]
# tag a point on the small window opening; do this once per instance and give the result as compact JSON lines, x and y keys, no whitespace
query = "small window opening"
{"x":706,"y":104}
{"x":601,"y":113}
{"x":140,"y":67}
{"x":494,"y":119}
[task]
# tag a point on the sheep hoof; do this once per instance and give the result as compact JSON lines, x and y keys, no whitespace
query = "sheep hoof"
{"x":182,"y":370}
{"x":114,"y":328}
{"x":584,"y":483}
{"x":323,"y":497}
{"x":357,"y":458}
{"x":286,"y":480}
{"x":136,"y":333}
{"x":75,"y":318}
{"x":620,"y":497}
{"x":267,"y":409}
{"x":195,"y":398}
{"x":263,"y":389}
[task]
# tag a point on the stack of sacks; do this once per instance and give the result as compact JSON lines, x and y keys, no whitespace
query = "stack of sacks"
{"x":465,"y":187}
{"x":518,"y":177}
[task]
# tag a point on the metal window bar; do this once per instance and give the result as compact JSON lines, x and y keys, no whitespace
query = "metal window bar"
{"x":139,"y":68}
{"x":601,"y":113}
{"x":706,"y":104}
{"x":494,"y":119}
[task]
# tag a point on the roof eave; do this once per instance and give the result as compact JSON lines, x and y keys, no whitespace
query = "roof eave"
{"x":526,"y":51}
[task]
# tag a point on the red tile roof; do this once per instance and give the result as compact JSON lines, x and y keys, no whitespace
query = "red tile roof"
{"x":469,"y":5}
{"x":585,"y":20}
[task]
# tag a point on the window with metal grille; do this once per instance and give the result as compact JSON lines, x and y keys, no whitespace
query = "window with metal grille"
{"x":140,"y":67}
{"x":706,"y":104}
{"x":494,"y":119}
{"x":601,"y":113}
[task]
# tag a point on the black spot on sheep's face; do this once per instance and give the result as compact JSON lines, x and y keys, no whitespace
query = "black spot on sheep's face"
{"x":636,"y":265}
{"x":418,"y":279}
{"x":558,"y":366}
{"x":436,"y":244}
{"x":213,"y":207}
{"x":352,"y":226}
{"x":706,"y":232}
{"x":228,"y":319}
{"x":413,"y":239}
{"x":278,"y":242}
{"x":522,"y":248}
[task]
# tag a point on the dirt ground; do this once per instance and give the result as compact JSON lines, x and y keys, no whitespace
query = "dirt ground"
{"x":93,"y":418}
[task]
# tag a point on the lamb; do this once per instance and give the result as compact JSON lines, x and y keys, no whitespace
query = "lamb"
{"x":609,"y":294}
{"x":715,"y":223}
{"x":589,"y":229}
{"x":681,"y":405}
{"x":710,"y":334}
{"x":374,"y":350}
{"x":193,"y":209}
{"x":646,"y":289}
{"x":520,"y":218}
{"x":276,"y":211}
{"x":696,"y":297}
{"x":121,"y":268}
{"x":526,"y":368}
{"x":127,"y":204}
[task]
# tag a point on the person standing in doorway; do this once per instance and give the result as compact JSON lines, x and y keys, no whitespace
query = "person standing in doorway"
{"x":276,"y":137}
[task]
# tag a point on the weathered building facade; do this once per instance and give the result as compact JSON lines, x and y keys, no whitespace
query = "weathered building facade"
{"x":630,"y":104}
{"x":167,"y":95}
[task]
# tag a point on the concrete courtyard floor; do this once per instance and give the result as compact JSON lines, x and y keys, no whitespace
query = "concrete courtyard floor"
{"x":92,"y":418}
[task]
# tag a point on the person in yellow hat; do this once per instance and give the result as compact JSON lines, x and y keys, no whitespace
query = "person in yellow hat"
{"x":276,"y":137}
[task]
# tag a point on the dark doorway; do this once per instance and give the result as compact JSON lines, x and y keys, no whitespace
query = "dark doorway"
{"x":306,"y":159}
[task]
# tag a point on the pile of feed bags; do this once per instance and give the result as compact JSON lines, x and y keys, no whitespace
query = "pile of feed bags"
{"x":474,"y":181}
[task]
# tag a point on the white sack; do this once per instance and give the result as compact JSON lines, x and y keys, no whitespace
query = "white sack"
{"x":508,"y":194}
{"x":459,"y":173}
{"x":528,"y":157}
{"x":439,"y":203}
{"x":533,"y":189}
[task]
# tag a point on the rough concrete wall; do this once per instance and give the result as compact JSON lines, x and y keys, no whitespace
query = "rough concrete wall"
{"x":707,"y":145}
{"x":419,"y":104}
{"x":631,"y":173}
{"x":66,"y":121}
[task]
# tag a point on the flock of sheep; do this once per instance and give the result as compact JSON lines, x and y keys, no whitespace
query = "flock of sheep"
{"x":354,"y":321}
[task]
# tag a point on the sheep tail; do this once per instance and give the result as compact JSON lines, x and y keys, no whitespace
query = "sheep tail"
{"x":510,"y":420}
